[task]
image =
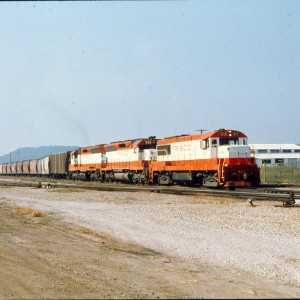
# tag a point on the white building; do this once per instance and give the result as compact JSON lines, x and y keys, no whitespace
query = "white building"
{"x":276,"y":154}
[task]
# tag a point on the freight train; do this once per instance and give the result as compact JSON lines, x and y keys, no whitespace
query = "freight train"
{"x":221,"y":158}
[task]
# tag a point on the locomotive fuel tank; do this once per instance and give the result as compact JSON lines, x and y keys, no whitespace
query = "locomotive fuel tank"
{"x":123,"y":176}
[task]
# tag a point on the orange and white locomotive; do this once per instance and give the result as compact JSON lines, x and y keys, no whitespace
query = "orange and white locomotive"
{"x":129,"y":161}
{"x":85,"y":163}
{"x":219,"y":158}
{"x":124,"y":161}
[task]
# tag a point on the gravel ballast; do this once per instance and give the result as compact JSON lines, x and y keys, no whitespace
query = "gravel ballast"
{"x":263,"y":239}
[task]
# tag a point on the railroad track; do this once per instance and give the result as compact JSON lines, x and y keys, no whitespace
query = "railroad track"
{"x":288,"y":197}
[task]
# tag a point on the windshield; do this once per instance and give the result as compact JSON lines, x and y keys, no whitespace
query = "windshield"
{"x":229,"y":141}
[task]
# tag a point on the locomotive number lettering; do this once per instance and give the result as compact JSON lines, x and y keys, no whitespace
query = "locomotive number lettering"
{"x":181,"y":148}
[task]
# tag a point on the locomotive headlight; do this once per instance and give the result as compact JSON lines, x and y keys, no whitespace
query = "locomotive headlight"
{"x":245,"y":176}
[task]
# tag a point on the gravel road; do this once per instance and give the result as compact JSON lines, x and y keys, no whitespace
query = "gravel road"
{"x":257,"y":245}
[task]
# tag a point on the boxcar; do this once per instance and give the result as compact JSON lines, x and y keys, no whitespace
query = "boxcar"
{"x":59,"y":164}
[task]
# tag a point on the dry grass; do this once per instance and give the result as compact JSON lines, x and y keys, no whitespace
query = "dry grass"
{"x":37,"y":214}
{"x":67,"y":190}
{"x":251,"y":292}
{"x":28,"y":211}
{"x":5,"y":186}
{"x":23,"y":211}
{"x":84,"y":231}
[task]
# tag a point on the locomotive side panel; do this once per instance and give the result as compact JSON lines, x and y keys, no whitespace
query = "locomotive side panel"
{"x":123,"y":159}
{"x":186,"y":156}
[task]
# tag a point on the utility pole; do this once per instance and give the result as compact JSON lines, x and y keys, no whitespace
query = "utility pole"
{"x":201,"y":130}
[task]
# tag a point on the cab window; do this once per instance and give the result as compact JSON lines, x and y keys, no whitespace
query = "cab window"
{"x":228,"y":141}
{"x":204,"y":144}
{"x":214,"y":143}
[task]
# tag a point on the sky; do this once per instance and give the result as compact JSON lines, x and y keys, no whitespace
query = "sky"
{"x":92,"y":72}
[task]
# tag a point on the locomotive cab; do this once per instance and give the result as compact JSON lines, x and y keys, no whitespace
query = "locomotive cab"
{"x":227,"y":147}
{"x":235,"y":166}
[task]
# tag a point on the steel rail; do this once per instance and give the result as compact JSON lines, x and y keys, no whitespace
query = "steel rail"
{"x":288,"y":197}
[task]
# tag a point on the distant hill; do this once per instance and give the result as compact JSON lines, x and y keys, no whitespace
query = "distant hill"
{"x":33,"y":153}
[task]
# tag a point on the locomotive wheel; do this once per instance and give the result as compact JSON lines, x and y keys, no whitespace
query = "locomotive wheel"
{"x":210,"y":181}
{"x":164,"y":180}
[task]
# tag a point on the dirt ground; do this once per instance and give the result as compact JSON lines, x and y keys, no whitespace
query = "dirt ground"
{"x":44,"y":257}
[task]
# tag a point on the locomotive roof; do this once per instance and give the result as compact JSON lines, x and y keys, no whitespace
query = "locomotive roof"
{"x":99,"y":146}
{"x":129,"y":143}
{"x":202,"y":136}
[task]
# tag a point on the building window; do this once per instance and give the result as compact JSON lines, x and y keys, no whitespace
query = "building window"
{"x":286,"y":151}
{"x":262,"y":151}
{"x":279,"y":160}
{"x":297,"y":150}
{"x":292,"y":162}
{"x":265,"y":161}
{"x":275,"y":151}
